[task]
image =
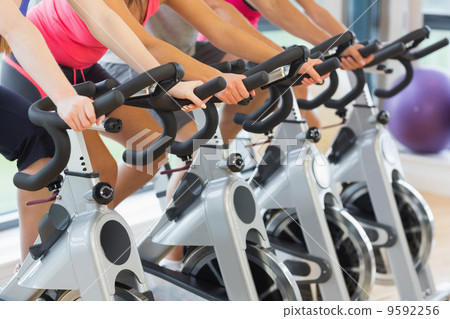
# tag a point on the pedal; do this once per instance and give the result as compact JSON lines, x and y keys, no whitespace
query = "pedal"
{"x":305,"y":268}
{"x":51,"y":227}
{"x":380,"y":235}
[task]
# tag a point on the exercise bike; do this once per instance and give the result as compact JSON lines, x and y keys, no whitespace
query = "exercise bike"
{"x":364,"y":159}
{"x":304,"y":216}
{"x":85,"y":250}
{"x":214,"y":214}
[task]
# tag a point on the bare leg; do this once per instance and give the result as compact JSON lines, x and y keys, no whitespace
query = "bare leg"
{"x":30,"y":216}
{"x":136,"y":122}
{"x":183,"y":134}
{"x":301,"y":92}
{"x":228,"y":128}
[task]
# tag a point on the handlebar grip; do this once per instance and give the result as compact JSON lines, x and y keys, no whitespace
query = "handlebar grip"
{"x":212,"y":118}
{"x":275,"y":118}
{"x":86,"y":88}
{"x":108,"y":102}
{"x":322,"y":97}
{"x":252,"y":82}
{"x":238,"y":66}
{"x":418,"y":34}
{"x":155,"y":75}
{"x":283,"y":58}
{"x":428,"y":50}
{"x":386,"y":53}
{"x":369,"y":49}
{"x":323,"y":68}
{"x":165,"y":102}
{"x":224,"y":67}
{"x":333,"y":42}
{"x":210,"y":88}
{"x":204,"y":91}
{"x":256,"y":80}
{"x":104,"y":86}
{"x":382,"y":93}
{"x":39,"y":114}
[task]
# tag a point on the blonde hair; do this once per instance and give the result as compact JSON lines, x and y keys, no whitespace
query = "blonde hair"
{"x":4,"y":45}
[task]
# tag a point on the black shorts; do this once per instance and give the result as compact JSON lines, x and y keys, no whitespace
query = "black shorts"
{"x":16,"y":79}
{"x":207,"y":53}
{"x":20,"y":139}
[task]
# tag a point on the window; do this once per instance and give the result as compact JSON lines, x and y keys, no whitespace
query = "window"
{"x":437,"y":17}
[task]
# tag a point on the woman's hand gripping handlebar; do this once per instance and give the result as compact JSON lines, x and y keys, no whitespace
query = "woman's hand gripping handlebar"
{"x":381,"y":55}
{"x":326,"y":95}
{"x":39,"y":114}
{"x":253,"y":122}
{"x":258,"y":126}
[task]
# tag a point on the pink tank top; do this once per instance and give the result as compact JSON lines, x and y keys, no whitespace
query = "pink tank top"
{"x":67,"y":36}
{"x":251,"y":15}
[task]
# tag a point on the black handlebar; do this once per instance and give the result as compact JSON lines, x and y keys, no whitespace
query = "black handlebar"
{"x":169,"y":123}
{"x":409,"y":73}
{"x":323,"y":68}
{"x":236,"y":66}
{"x":323,"y":97}
{"x":257,"y":126}
{"x":369,"y":49}
{"x":326,"y":95}
{"x":350,"y":96}
{"x":341,"y":40}
{"x":212,"y":118}
{"x":405,"y":60}
{"x":417,"y":36}
{"x":39,"y":114}
{"x":425,"y":51}
{"x":398,"y":50}
{"x":386,"y":53}
{"x":268,"y":107}
{"x":253,"y":122}
{"x":294,"y":56}
{"x":381,"y":55}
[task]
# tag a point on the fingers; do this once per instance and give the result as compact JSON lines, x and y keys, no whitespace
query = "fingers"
{"x":308,"y":81}
{"x":196,"y":102}
{"x":308,"y":68}
{"x":235,"y":90}
{"x":78,"y":112}
{"x":348,"y":63}
{"x":351,"y":59}
{"x":100,"y":119}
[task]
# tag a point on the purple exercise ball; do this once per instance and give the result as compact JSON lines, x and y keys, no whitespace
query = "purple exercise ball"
{"x":420,"y":114}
